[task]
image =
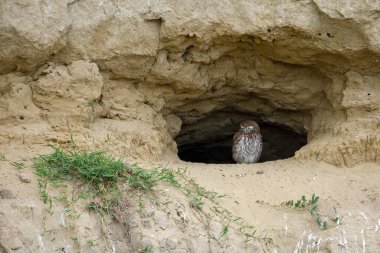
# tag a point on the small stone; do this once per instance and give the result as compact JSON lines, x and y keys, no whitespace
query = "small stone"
{"x":24,"y":178}
{"x":260,"y":172}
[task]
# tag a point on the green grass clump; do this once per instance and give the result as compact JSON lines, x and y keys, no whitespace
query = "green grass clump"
{"x":94,"y":168}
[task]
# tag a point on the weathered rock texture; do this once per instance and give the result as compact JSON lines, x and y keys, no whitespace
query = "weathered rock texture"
{"x":130,"y":73}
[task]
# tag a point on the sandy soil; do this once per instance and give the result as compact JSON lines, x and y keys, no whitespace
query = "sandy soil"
{"x":254,"y":192}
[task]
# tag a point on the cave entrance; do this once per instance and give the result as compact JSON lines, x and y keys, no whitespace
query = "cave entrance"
{"x":209,"y":140}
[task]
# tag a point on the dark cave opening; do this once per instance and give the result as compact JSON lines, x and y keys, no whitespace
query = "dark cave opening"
{"x":209,"y":140}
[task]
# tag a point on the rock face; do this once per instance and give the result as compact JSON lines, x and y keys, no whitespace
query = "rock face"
{"x":130,"y":73}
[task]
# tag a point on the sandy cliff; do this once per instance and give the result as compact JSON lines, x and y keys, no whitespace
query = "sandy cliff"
{"x":308,"y":65}
{"x":133,"y":76}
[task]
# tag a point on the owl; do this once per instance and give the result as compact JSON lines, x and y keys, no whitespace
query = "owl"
{"x":247,"y":143}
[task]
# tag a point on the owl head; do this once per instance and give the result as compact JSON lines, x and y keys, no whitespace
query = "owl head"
{"x":249,"y":126}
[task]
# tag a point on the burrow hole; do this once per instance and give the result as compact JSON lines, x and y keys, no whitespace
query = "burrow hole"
{"x":209,"y":140}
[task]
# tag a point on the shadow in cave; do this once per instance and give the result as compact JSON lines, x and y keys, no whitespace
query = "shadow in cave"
{"x":212,"y":143}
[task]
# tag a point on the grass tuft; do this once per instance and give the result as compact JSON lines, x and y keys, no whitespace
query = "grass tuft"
{"x":94,"y":168}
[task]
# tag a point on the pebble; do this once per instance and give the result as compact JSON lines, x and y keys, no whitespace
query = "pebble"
{"x":24,"y":178}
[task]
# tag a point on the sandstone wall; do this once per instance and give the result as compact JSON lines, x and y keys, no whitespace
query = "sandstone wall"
{"x":129,"y":73}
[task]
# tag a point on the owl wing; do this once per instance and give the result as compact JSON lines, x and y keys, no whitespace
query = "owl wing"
{"x":236,"y":137}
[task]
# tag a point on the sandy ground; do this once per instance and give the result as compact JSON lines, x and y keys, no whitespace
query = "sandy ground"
{"x":254,"y":192}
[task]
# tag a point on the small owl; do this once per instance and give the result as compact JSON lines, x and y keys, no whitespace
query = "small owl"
{"x":247,"y":143}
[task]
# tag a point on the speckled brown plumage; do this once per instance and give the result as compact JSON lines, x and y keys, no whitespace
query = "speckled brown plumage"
{"x":247,"y":143}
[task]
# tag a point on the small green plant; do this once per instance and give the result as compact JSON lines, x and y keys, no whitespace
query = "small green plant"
{"x":224,"y":231}
{"x":248,"y":231}
{"x":311,"y":205}
{"x":90,"y":243}
{"x":2,"y":157}
{"x":196,"y":202}
{"x":18,"y":165}
{"x":75,"y":240}
{"x":44,"y":196}
{"x":147,"y":249}
{"x":303,"y":202}
{"x":336,"y":219}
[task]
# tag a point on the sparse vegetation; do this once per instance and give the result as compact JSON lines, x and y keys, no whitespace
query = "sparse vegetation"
{"x":139,"y":178}
{"x":103,"y":180}
{"x":18,"y":165}
{"x":2,"y":157}
{"x":303,"y":203}
{"x":147,"y":249}
{"x":224,"y":231}
{"x":75,"y":240}
{"x":311,"y":205}
{"x":196,"y":202}
{"x":90,"y":108}
{"x":90,"y":243}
